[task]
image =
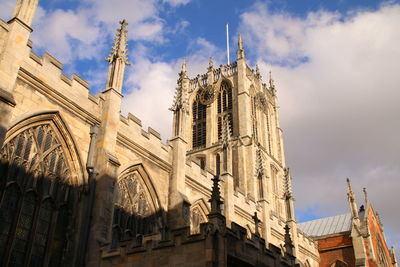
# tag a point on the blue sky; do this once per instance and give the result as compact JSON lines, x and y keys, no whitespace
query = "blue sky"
{"x":335,"y":64}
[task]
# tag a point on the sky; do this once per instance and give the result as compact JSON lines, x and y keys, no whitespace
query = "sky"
{"x":335,"y":63}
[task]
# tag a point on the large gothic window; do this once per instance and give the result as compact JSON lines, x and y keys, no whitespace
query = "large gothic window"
{"x":199,"y":112}
{"x":135,"y":212}
{"x":34,"y":177}
{"x":224,"y":106}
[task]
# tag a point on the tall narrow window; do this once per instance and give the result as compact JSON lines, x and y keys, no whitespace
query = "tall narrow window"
{"x":199,"y":124}
{"x":224,"y":107}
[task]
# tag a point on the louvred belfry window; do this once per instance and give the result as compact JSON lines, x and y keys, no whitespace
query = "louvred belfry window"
{"x":33,"y":198}
{"x":224,"y":107}
{"x":199,"y":112}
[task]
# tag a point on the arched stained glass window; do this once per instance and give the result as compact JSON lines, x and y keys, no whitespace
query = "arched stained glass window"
{"x":35,"y":169}
{"x":224,"y":106}
{"x":199,"y":112}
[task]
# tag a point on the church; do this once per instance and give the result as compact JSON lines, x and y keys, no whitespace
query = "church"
{"x":83,"y":185}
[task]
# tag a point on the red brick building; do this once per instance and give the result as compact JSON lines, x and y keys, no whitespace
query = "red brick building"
{"x":352,"y":239}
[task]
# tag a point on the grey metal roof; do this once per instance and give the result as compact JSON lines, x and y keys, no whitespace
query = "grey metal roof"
{"x":327,"y":226}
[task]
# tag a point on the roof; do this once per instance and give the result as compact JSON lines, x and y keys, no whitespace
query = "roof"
{"x":327,"y":226}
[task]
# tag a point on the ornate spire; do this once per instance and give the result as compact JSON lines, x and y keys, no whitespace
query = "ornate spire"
{"x":25,"y":10}
{"x":271,"y":82}
{"x":226,"y":131}
{"x":287,"y":184}
{"x":181,"y":98}
{"x":215,"y":199}
{"x":119,"y":50}
{"x":117,"y":59}
{"x":183,"y":72}
{"x":288,"y":241}
{"x":240,"y":51}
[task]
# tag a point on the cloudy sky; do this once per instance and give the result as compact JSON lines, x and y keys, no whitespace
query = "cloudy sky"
{"x":336,"y":65}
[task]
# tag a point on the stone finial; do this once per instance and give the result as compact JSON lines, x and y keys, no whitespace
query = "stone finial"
{"x":181,"y":97}
{"x":287,"y":184}
{"x":240,"y":51}
{"x":184,"y":65}
{"x":226,"y":131}
{"x":210,"y":64}
{"x":256,"y":223}
{"x":271,"y":82}
{"x":288,"y":241}
{"x":119,"y":50}
{"x":215,"y":199}
{"x":25,"y":10}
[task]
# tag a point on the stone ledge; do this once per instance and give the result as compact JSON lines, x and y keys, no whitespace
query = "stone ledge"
{"x":7,"y":97}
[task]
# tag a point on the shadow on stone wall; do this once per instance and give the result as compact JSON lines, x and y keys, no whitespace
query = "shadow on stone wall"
{"x":40,"y":215}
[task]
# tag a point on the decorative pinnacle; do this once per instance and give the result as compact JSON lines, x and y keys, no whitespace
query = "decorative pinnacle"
{"x":288,"y":241}
{"x":211,"y":63}
{"x":119,"y":50}
{"x":240,"y":42}
{"x":271,"y":81}
{"x":184,"y":65}
{"x":215,"y":199}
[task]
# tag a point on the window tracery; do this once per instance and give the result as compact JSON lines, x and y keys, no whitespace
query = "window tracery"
{"x":199,"y":112}
{"x":224,"y":107}
{"x":34,"y":176}
{"x":197,"y":217}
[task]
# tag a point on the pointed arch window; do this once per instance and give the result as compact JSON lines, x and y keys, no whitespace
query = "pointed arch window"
{"x":34,"y":181}
{"x":224,"y":107}
{"x":199,"y":112}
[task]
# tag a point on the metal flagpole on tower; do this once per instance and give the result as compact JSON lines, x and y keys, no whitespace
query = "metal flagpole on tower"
{"x":227,"y":42}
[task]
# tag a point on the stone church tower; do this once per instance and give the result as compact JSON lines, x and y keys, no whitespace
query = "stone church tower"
{"x":83,"y":185}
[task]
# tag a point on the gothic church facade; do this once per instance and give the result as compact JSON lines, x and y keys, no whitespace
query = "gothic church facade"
{"x":80,"y":182}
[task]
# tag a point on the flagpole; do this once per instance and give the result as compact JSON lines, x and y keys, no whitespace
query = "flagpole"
{"x":227,"y":43}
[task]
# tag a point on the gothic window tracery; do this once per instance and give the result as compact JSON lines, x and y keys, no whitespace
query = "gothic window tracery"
{"x":224,"y":107}
{"x":199,"y":112}
{"x":34,"y":177}
{"x":134,"y":212}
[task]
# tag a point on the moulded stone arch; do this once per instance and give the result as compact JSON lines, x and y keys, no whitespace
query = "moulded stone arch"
{"x":62,"y":133}
{"x":198,"y":215}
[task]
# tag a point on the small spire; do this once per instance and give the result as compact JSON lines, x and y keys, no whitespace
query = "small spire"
{"x":256,"y":222}
{"x":240,"y":42}
{"x":240,"y":51}
{"x":271,"y":81}
{"x":288,"y":241}
{"x":119,"y":50}
{"x":215,"y":199}
{"x":183,"y":73}
{"x":211,"y":64}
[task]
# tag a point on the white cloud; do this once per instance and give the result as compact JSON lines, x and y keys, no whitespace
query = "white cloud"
{"x":339,"y":108}
{"x":176,"y":2}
